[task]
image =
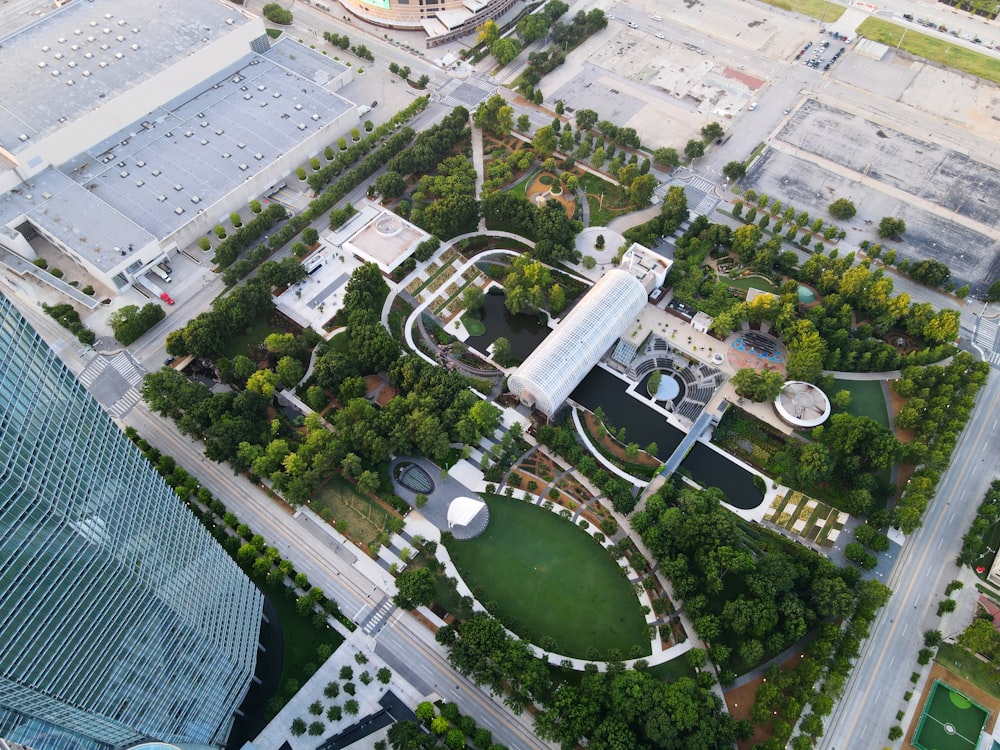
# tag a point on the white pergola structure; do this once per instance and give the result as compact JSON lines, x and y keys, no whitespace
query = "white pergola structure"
{"x":802,"y":405}
{"x":558,"y":365}
{"x":462,"y":510}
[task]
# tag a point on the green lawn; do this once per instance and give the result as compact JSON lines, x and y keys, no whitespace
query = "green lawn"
{"x":673,"y":669}
{"x":749,"y":282}
{"x":867,"y":399}
{"x":826,"y":12}
{"x":552,"y":579}
{"x":337,"y":500}
{"x":300,"y":636}
{"x":473,"y":324}
{"x":965,"y":665}
{"x":244,"y":343}
{"x":614,"y":203}
{"x":937,"y":48}
{"x":521,"y":188}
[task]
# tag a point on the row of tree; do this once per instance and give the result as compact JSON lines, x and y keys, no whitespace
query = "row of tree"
{"x":974,"y":544}
{"x":618,"y":709}
{"x":939,"y":402}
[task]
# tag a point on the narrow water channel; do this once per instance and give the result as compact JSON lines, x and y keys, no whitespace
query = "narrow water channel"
{"x":644,"y":426}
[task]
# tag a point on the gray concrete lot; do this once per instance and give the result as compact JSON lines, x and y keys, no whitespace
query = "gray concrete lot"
{"x":917,"y":166}
{"x":799,"y":181}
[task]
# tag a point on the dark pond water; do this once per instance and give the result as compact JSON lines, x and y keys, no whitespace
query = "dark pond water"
{"x":525,"y":332}
{"x":644,"y":426}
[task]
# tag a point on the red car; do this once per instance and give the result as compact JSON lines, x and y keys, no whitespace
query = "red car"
{"x":167,"y":298}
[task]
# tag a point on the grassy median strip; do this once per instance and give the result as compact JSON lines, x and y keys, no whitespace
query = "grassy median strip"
{"x":939,"y":50}
{"x":824,"y":11}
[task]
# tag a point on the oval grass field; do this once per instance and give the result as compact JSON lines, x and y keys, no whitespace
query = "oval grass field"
{"x":553,"y":579}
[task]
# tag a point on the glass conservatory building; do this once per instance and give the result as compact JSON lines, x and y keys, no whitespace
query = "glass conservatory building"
{"x":121,"y":618}
{"x":564,"y":358}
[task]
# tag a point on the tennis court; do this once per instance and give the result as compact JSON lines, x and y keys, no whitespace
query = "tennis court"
{"x":951,"y":721}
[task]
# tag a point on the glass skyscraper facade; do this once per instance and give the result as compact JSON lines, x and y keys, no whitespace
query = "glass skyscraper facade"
{"x":121,"y":618}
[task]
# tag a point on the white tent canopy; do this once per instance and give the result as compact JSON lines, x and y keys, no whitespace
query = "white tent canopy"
{"x":462,"y":510}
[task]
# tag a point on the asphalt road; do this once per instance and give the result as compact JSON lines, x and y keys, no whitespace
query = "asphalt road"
{"x":882,"y":674}
{"x":404,"y":643}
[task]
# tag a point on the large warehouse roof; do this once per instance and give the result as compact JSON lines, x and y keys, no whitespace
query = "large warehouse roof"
{"x":558,"y":365}
{"x":104,"y":48}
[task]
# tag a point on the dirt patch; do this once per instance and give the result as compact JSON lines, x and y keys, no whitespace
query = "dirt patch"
{"x":538,"y":191}
{"x":981,"y":697}
{"x":740,"y":700}
{"x":897,"y":402}
{"x":748,"y":80}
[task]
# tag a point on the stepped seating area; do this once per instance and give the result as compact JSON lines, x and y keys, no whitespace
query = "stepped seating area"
{"x":760,"y":342}
{"x":700,"y":380}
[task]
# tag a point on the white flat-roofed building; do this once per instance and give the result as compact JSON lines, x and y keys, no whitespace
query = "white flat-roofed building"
{"x":563,"y":359}
{"x":150,"y":147}
{"x":385,"y":238}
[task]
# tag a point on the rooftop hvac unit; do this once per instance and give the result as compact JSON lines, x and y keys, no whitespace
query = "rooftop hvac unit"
{"x":188,"y":133}
{"x":195,"y":199}
{"x":59,"y":56}
{"x":120,"y":164}
{"x":315,"y":118}
{"x":107,"y":16}
{"x":55,"y":73}
{"x":178,"y":187}
{"x":23,"y":137}
{"x":220,"y":131}
{"x":276,"y":95}
{"x":121,"y":21}
{"x":139,"y":183}
{"x":119,"y":38}
{"x":134,"y":48}
{"x":102,"y":64}
{"x":74,"y":47}
{"x":241,"y":145}
{"x":105,"y":30}
{"x":178,"y":210}
{"x":298,"y":107}
{"x":69,"y":81}
{"x":204,"y":123}
{"x":91,"y":38}
{"x":62,"y":40}
{"x":248,"y":97}
{"x":161,"y":198}
{"x":105,"y":48}
{"x":41,"y":65}
{"x":263,"y":104}
{"x":204,"y":142}
{"x":88,"y":55}
{"x":261,"y":87}
{"x":243,"y":167}
{"x":140,"y":163}
{"x":78,"y":31}
{"x":72,"y":63}
{"x":46,"y":195}
{"x":156,"y":173}
{"x":86,"y":74}
{"x":135,"y":31}
{"x":123,"y":173}
{"x":258,"y":157}
{"x":46,"y":48}
{"x":226,"y":154}
{"x":119,"y":55}
{"x":302,"y":126}
{"x":229,"y":22}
